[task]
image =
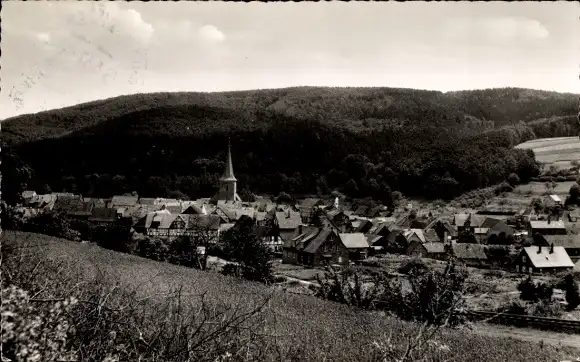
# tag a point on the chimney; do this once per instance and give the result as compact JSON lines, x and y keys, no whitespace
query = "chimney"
{"x":539,"y":249}
{"x":300,"y":229}
{"x":552,"y":248}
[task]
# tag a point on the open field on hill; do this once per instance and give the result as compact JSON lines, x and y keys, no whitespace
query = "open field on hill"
{"x":320,"y":330}
{"x":536,"y":189}
{"x":558,"y":151}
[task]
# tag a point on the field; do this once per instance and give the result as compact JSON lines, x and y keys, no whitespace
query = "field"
{"x":312,"y":328}
{"x":558,"y":151}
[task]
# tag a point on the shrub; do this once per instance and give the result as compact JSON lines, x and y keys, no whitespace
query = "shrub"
{"x":414,"y":266}
{"x":33,"y":332}
{"x":560,"y":178}
{"x":534,"y":292}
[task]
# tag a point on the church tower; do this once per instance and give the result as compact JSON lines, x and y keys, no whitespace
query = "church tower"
{"x":228,"y":183}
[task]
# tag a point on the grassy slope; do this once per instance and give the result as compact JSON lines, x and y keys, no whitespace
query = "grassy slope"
{"x":558,"y":151}
{"x":327,"y":330}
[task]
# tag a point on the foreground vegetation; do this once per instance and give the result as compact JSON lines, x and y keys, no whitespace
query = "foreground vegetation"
{"x":360,"y":141}
{"x":103,"y":304}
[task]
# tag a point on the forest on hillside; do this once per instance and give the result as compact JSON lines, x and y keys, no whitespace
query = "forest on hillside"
{"x":364,"y":142}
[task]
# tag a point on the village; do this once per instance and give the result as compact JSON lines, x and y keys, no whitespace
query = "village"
{"x":317,"y":232}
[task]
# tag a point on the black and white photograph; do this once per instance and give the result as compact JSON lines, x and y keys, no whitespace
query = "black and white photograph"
{"x":343,"y":181}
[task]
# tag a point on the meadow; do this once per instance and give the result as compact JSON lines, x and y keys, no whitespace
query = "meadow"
{"x":290,"y":327}
{"x":557,"y":151}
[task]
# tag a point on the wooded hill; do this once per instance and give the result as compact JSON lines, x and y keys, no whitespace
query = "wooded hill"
{"x":306,"y":140}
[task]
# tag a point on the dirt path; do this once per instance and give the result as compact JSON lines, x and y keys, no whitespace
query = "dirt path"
{"x":532,"y":335}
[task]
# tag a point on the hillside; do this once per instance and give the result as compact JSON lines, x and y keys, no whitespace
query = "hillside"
{"x":337,"y":106}
{"x":299,"y":328}
{"x":362,"y":141}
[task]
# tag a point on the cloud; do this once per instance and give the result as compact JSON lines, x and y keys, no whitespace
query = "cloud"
{"x":495,"y":30}
{"x":211,"y":34}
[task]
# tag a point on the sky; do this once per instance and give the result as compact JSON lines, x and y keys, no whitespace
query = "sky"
{"x":61,"y":53}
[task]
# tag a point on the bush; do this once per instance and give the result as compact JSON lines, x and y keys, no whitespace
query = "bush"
{"x":414,"y":266}
{"x":534,"y":292}
{"x":34,"y":332}
{"x":560,"y":178}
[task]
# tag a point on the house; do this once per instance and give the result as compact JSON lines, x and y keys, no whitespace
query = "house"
{"x":357,"y":245}
{"x":225,"y":214}
{"x":339,"y":219}
{"x":303,"y":234}
{"x":471,"y":221}
{"x":103,"y":215}
{"x":573,"y":216}
{"x":480,"y":235}
{"x":553,"y":200}
{"x":541,"y":259}
{"x":287,"y":222}
{"x":499,"y":232}
{"x":80,"y":210}
{"x":374,"y":241}
{"x":443,"y":228}
{"x":571,"y":243}
{"x":547,"y":227}
{"x":364,"y":226}
{"x":307,"y":207}
{"x":124,"y":201}
{"x":193,"y":209}
{"x":270,"y":238}
{"x":325,"y":248}
{"x":27,"y":196}
{"x":432,"y":250}
{"x":166,"y":225}
{"x":419,"y":235}
{"x":471,"y":254}
{"x":66,"y":203}
{"x":148,"y":201}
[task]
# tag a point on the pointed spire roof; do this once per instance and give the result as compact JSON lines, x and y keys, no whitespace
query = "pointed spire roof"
{"x":229,"y":171}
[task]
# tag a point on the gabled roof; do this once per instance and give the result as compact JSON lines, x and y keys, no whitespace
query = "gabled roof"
{"x":555,"y":198}
{"x":67,"y":202}
{"x":542,"y":258}
{"x":124,"y":200}
{"x":229,"y":213}
{"x":205,"y":221}
{"x":489,"y":222}
{"x":474,"y":219}
{"x":354,"y":240}
{"x":373,"y":238}
{"x":435,"y":248}
{"x":193,"y":210}
{"x":288,"y":219}
{"x":543,"y":224}
{"x":147,"y":200}
{"x":80,"y":209}
{"x":361,"y":211}
{"x":469,"y":251}
{"x":104,"y":214}
{"x":431,"y":236}
{"x":565,"y":241}
{"x":309,"y":203}
{"x":318,"y":240}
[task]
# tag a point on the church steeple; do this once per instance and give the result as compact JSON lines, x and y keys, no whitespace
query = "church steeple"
{"x":228,"y":188}
{"x":229,"y":171}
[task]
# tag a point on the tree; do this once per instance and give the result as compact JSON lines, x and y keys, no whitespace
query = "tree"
{"x":534,"y":292}
{"x":572,"y":292}
{"x":513,"y":179}
{"x":15,"y":176}
{"x":242,"y":245}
